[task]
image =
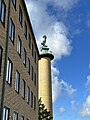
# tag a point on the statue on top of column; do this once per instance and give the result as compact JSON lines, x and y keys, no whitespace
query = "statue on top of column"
{"x":44,"y":41}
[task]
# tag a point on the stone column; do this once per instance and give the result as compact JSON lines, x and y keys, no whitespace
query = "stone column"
{"x":45,"y":82}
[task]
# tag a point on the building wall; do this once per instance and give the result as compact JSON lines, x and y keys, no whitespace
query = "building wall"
{"x":3,"y":28}
{"x":12,"y":99}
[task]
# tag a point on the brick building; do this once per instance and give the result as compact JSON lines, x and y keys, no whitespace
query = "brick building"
{"x":18,"y":63}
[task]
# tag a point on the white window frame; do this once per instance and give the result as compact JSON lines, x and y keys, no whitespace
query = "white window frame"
{"x":15,"y":116}
{"x":6,"y":113}
{"x":12,"y":30}
{"x":17,"y":82}
{"x":2,"y":11}
{"x":9,"y":71}
{"x":28,"y":94}
{"x":19,"y":44}
{"x":22,"y":117}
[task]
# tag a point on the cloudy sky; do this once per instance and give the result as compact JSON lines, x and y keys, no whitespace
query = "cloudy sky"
{"x":67,"y":26}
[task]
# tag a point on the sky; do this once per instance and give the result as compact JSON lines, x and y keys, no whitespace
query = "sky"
{"x":67,"y":26}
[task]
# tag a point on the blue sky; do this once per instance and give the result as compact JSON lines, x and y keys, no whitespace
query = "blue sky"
{"x":67,"y":26}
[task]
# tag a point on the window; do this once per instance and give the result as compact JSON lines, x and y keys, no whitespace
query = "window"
{"x":14,"y":3}
{"x":24,"y":57}
{"x":17,"y":83}
{"x":15,"y":116}
{"x":32,"y":73}
{"x":28,"y":94}
{"x":9,"y":71}
{"x":29,"y":64}
{"x":29,"y":41}
{"x":34,"y":103}
{"x":33,"y":53}
{"x":12,"y":30}
{"x":34,"y":78}
{"x":22,"y":117}
{"x":20,"y":15}
{"x":35,"y":57}
{"x":27,"y":119}
{"x":2,"y":11}
{"x":0,"y":58}
{"x":23,"y":88}
{"x":32,"y":50}
{"x":25,"y":30}
{"x":6,"y":113}
{"x":31,"y":99}
{"x":19,"y":44}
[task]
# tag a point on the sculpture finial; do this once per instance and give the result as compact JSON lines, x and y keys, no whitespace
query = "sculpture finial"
{"x":45,"y":37}
{"x":44,"y":41}
{"x":44,"y":46}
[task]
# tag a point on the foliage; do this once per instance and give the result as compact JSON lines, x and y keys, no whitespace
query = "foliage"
{"x":44,"y":114}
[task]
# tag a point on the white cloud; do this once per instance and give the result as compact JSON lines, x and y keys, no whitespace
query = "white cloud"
{"x":89,"y":65}
{"x":73,"y":102}
{"x":74,"y":106}
{"x":88,"y":81}
{"x":56,"y":86}
{"x":59,"y":109}
{"x":60,"y":86}
{"x":87,"y":85}
{"x":85,"y":112}
{"x":62,"y":109}
{"x":68,"y":88}
{"x":65,"y":5}
{"x":43,"y":23}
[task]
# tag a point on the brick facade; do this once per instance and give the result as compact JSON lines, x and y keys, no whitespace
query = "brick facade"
{"x":13,"y":100}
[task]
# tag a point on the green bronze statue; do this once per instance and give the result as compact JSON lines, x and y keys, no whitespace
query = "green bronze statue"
{"x":44,"y":41}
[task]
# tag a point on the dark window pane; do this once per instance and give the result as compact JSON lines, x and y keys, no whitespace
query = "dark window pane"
{"x":29,"y":41}
{"x":24,"y":57}
{"x":14,"y":3}
{"x":29,"y":65}
{"x":25,"y":30}
{"x":0,"y":58}
{"x":34,"y":78}
{"x":12,"y":30}
{"x":34,"y":103}
{"x":23,"y":88}
{"x":20,"y":15}
{"x":2,"y":11}
{"x":31,"y":99}
{"x":32,"y":73}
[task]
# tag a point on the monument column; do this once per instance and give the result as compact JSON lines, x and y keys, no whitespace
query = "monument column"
{"x":45,"y":82}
